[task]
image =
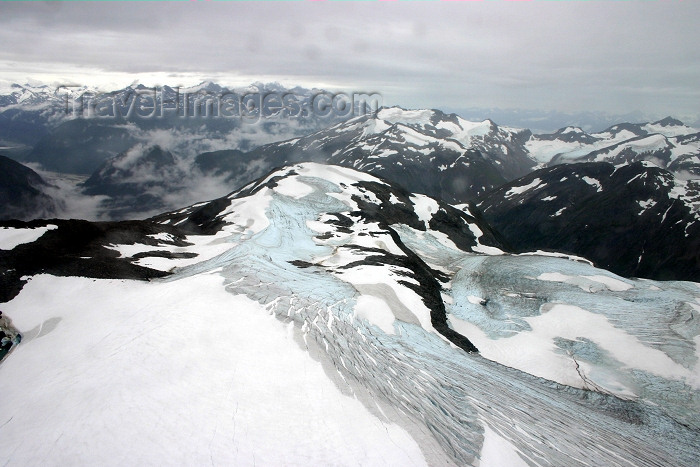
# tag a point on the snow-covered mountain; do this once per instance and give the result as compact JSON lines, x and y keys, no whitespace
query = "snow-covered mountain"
{"x":74,"y":129}
{"x":426,"y":151}
{"x":445,"y":156}
{"x":541,"y":121}
{"x":55,"y":126}
{"x":667,"y":143}
{"x":39,"y":96}
{"x":635,"y":220}
{"x":321,"y":315}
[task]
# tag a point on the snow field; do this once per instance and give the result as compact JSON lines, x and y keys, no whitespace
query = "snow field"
{"x":11,"y":237}
{"x":534,"y":351}
{"x":176,"y":373}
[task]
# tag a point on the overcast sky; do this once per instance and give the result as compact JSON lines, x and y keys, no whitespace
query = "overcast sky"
{"x":610,"y":56}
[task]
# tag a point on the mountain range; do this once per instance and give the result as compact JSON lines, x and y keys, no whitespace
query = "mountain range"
{"x":74,"y":129}
{"x":441,"y":155}
{"x":542,"y":121}
{"x":41,"y":124}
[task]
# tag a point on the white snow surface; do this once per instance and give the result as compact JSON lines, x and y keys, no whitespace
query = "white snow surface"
{"x":498,"y":451}
{"x":293,"y":187}
{"x":557,"y":255}
{"x":475,"y":300}
{"x":398,"y":115}
{"x":593,"y":182}
{"x":205,"y":247}
{"x":584,"y":282}
{"x":179,"y":373}
{"x":572,"y":129}
{"x":403,"y":297}
{"x":11,"y":237}
{"x":425,"y":207}
{"x":464,"y":131}
{"x":483,"y":249}
{"x":517,"y":190}
{"x":670,"y":130}
{"x":251,"y":212}
{"x":376,"y":311}
{"x":334,"y":174}
{"x":534,"y":352}
{"x":610,"y":144}
{"x":544,"y":150}
{"x":163,"y":237}
{"x":640,"y":146}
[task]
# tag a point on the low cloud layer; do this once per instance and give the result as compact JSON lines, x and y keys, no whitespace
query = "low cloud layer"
{"x":568,"y":56}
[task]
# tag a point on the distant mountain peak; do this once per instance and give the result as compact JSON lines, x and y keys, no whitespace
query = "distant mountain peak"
{"x":669,"y":121}
{"x":571,"y":129}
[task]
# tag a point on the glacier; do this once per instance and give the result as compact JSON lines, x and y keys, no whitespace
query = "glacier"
{"x":327,"y":317}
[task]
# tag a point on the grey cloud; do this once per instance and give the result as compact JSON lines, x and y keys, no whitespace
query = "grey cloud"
{"x":551,"y":55}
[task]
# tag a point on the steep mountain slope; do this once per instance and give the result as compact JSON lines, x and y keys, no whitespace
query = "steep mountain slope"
{"x":22,"y":192}
{"x":635,"y":220}
{"x":81,"y":145}
{"x":379,"y":298}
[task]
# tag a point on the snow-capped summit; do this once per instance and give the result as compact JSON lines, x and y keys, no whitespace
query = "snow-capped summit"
{"x":26,"y":95}
{"x":669,"y":127}
{"x":571,"y":129}
{"x":204,"y":86}
{"x":571,"y":135}
{"x":502,"y":146}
